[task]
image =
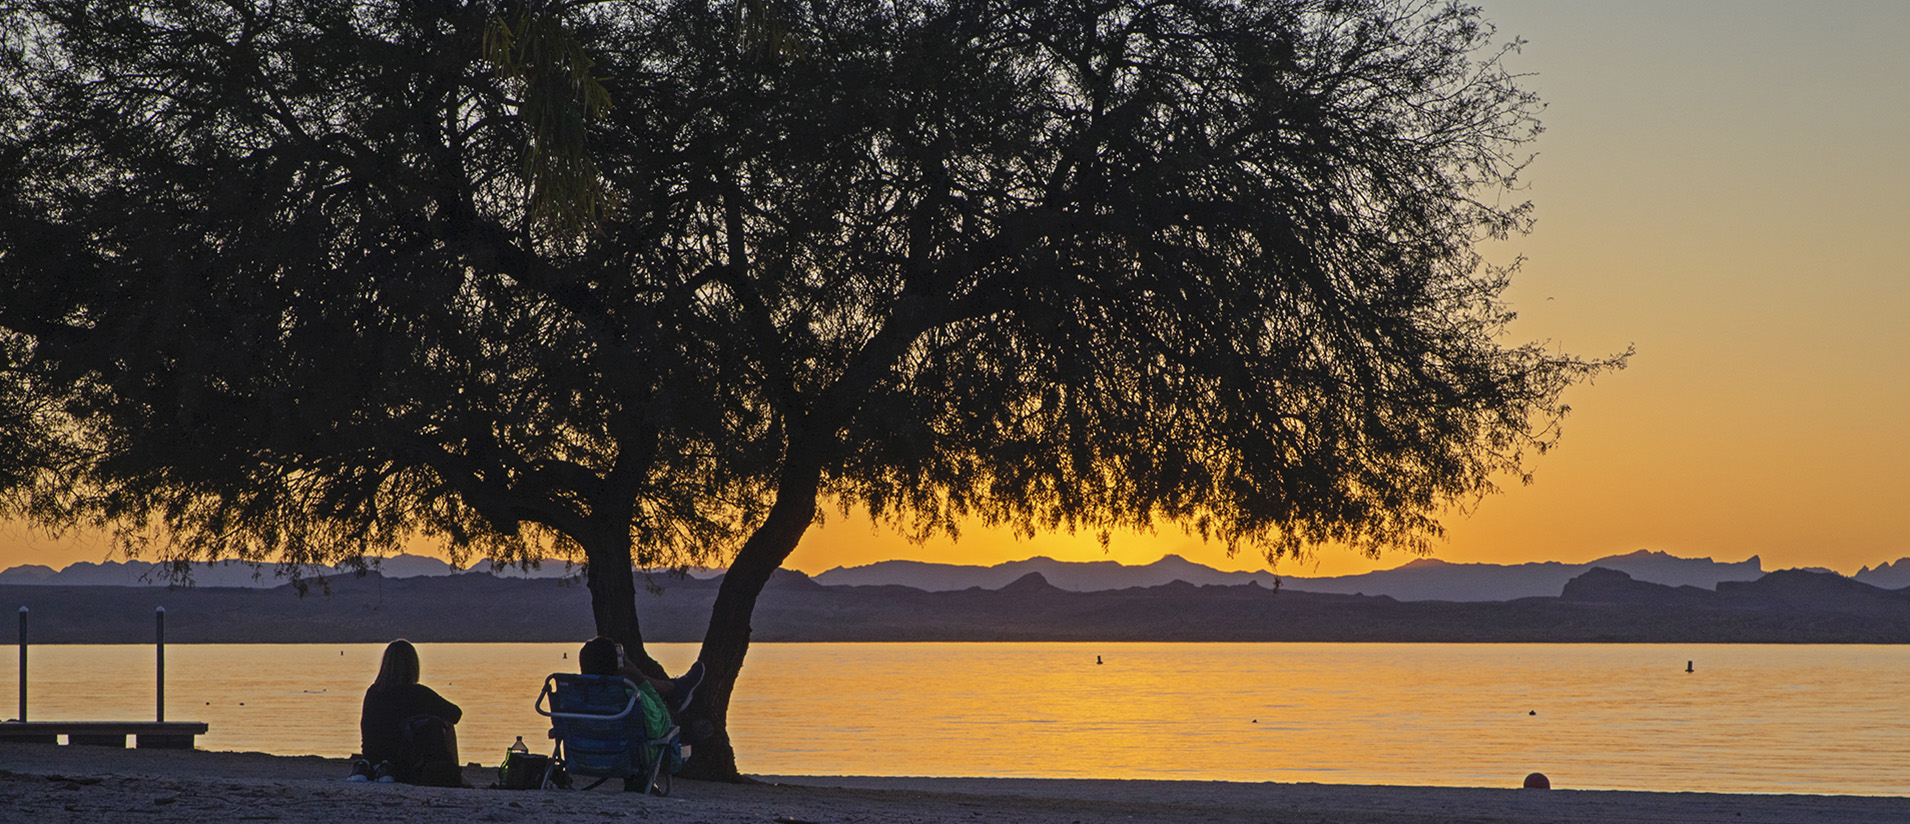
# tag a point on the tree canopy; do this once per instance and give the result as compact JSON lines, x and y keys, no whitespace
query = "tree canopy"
{"x":654,"y":281}
{"x":32,"y":455}
{"x":283,"y":257}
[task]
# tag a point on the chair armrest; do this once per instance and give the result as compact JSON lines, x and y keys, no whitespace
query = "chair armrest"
{"x":550,"y":683}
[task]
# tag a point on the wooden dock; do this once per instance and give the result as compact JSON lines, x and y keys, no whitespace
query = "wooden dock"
{"x":166,"y":735}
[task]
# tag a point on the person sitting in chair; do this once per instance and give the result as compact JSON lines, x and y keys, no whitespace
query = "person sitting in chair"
{"x":407,"y":731}
{"x":604,"y":656}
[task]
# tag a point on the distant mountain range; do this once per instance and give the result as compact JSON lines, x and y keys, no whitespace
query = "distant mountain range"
{"x":1600,"y":605}
{"x":1889,"y":575}
{"x":1422,"y":579}
{"x":242,"y":574}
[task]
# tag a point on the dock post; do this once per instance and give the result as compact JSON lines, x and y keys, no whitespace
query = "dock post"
{"x":159,"y":626}
{"x":23,"y":663}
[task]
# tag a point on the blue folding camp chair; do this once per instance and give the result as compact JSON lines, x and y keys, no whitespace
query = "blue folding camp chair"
{"x":598,"y":726}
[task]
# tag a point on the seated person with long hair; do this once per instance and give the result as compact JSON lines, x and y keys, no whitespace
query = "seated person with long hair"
{"x":408,"y":732}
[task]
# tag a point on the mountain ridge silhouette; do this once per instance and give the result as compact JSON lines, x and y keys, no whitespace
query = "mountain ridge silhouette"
{"x":1601,"y":605}
{"x":1417,"y":579}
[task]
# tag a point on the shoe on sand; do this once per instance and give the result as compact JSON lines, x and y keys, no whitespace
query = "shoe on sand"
{"x":360,"y":771}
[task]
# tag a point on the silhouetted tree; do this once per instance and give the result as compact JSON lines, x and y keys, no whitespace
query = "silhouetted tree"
{"x":1082,"y":265}
{"x":283,"y":258}
{"x":37,"y":459}
{"x":30,"y":459}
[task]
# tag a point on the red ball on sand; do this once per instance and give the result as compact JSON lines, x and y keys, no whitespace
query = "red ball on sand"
{"x":1538,"y":781}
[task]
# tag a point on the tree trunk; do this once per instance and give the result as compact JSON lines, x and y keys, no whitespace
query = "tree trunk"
{"x":727,"y":640}
{"x":613,"y":595}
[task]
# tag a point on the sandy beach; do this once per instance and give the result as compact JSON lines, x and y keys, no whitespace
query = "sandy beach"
{"x":45,"y":783}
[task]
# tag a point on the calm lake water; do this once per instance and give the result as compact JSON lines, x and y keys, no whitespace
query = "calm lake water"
{"x":1762,"y":719}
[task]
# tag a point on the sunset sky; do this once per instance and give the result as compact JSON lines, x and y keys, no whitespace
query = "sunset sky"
{"x":1724,"y":184}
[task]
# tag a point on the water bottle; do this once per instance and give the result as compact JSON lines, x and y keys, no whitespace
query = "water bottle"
{"x":519,"y":746}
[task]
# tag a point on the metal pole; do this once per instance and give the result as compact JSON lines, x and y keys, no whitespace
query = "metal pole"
{"x":159,"y":624}
{"x":23,"y":663}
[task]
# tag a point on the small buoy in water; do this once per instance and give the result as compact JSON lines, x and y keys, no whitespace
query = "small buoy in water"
{"x":1688,"y":667}
{"x":1533,"y":712}
{"x":1538,"y":781}
{"x":1097,"y":659}
{"x":1256,"y":720}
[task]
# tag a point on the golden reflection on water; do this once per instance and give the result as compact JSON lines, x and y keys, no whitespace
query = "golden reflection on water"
{"x":1815,"y":719}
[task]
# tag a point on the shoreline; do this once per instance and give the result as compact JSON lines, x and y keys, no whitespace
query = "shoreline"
{"x":103,"y":785}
